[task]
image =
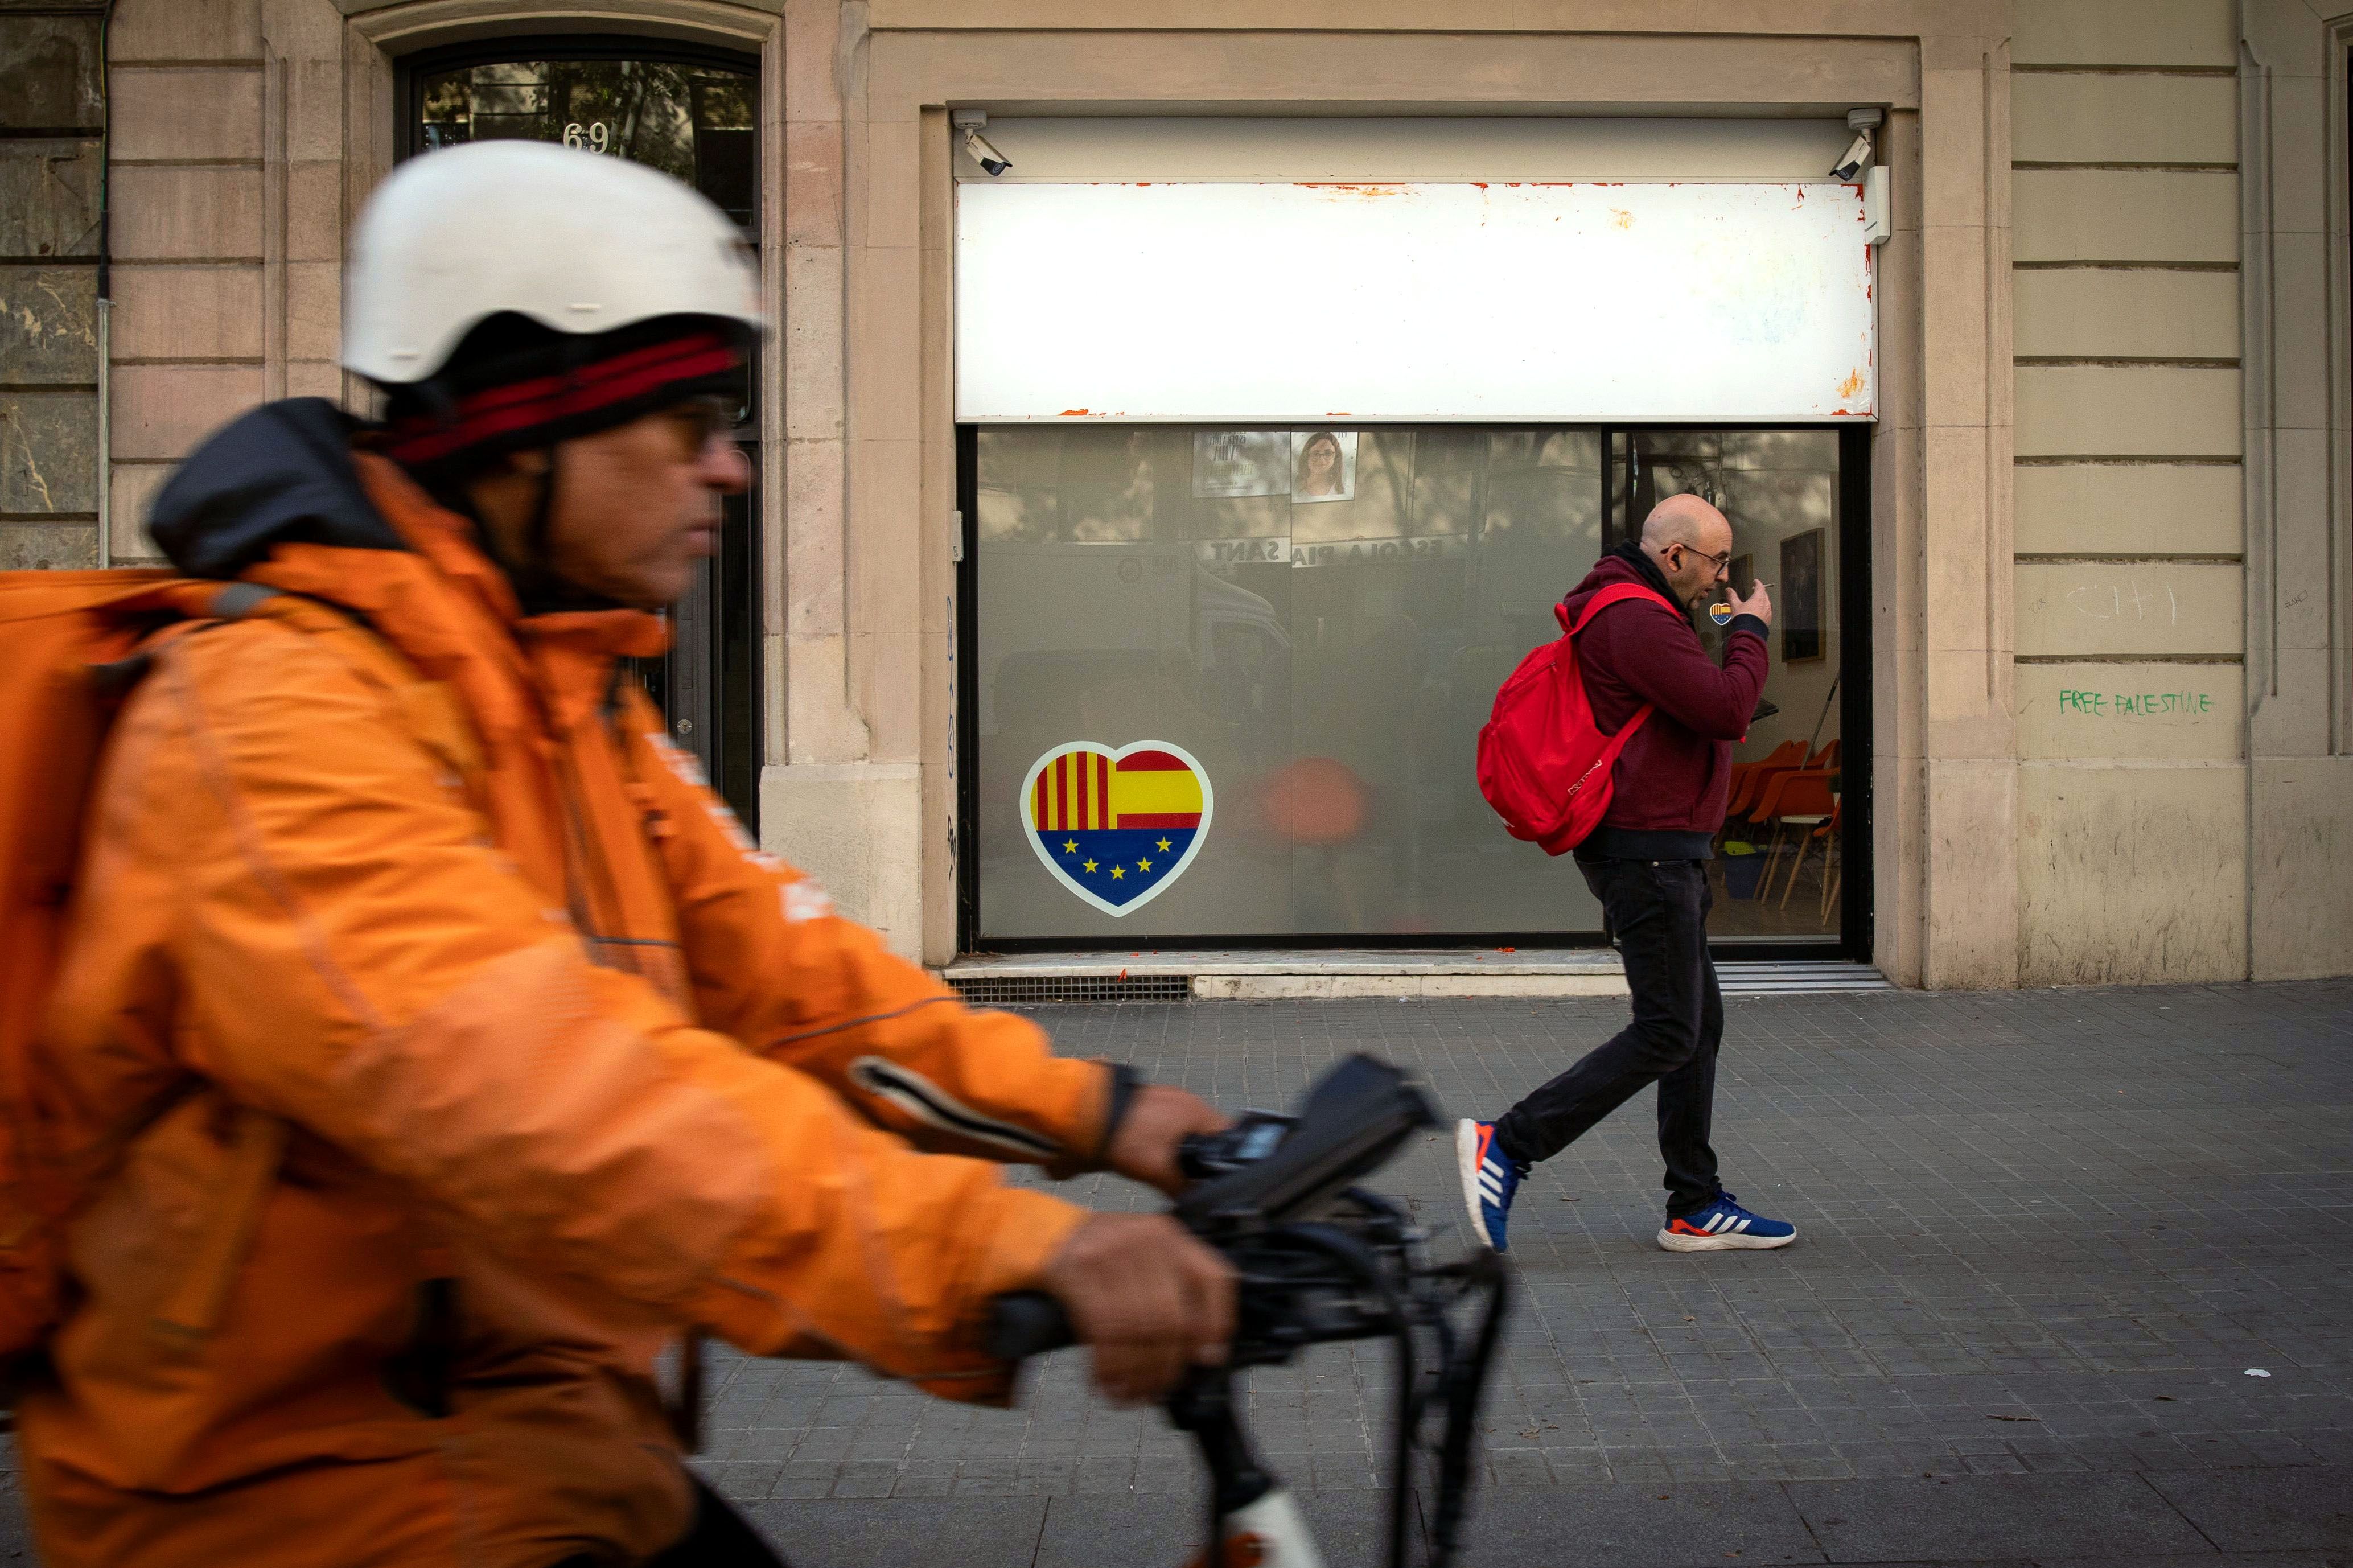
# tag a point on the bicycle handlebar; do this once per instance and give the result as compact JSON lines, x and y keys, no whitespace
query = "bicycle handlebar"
{"x":1023,"y":1323}
{"x":1319,"y":1260}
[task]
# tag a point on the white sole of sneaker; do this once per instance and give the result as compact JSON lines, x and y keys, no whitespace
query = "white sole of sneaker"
{"x":1466,"y":1161}
{"x":1674,"y":1243}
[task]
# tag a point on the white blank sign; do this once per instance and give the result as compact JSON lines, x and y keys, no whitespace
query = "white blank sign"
{"x":1230,"y":303}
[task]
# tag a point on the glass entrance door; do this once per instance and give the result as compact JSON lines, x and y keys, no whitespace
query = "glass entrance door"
{"x":1780,"y":872}
{"x":1270,"y":651}
{"x":692,"y":115}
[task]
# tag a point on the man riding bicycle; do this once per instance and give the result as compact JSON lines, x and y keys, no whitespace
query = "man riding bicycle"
{"x":441,"y":1049}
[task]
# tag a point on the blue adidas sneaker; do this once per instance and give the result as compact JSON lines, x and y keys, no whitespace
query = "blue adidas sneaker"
{"x":1489,"y":1177}
{"x":1725,"y":1226}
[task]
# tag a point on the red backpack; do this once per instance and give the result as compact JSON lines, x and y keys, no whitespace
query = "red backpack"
{"x":1543,"y":765}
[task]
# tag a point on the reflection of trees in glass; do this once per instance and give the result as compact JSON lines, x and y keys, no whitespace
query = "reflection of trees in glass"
{"x":1447,"y":470}
{"x":1543,"y":489}
{"x":1669,"y":462}
{"x":446,"y":100}
{"x":695,"y":123}
{"x":1019,"y":516}
{"x":721,"y":101}
{"x":1020,"y":495}
{"x":644,"y":109}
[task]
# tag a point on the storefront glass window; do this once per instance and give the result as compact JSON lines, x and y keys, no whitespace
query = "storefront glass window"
{"x":1241,"y":673}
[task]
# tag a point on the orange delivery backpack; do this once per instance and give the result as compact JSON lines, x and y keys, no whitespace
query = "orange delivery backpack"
{"x":72,"y":644}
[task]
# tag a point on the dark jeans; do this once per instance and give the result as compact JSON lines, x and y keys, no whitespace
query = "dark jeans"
{"x":721,"y":1538}
{"x":1656,"y":913}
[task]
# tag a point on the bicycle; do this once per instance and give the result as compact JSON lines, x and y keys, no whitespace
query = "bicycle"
{"x":1320,"y":1260}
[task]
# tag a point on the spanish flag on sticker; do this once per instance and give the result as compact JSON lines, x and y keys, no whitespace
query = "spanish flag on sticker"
{"x":1116,"y":826}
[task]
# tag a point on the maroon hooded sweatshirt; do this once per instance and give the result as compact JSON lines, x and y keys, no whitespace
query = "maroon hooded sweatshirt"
{"x":1672,"y":780}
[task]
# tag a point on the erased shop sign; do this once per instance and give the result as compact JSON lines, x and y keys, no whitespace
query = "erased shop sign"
{"x":1322,"y":304}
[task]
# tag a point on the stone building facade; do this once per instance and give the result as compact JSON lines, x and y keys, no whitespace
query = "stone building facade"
{"x":2108,"y":730}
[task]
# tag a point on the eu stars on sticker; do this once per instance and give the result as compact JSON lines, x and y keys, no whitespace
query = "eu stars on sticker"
{"x":1721,"y":614}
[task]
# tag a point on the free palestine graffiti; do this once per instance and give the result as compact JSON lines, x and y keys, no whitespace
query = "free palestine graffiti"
{"x":2133,"y":704}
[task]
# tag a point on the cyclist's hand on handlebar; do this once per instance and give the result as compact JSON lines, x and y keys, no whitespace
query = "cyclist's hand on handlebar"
{"x":1157,"y":1119}
{"x":1149,"y":1299}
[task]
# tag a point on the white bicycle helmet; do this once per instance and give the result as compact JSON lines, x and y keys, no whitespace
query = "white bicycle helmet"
{"x":581,"y":243}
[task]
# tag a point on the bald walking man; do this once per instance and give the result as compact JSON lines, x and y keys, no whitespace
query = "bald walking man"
{"x":1647,"y":863}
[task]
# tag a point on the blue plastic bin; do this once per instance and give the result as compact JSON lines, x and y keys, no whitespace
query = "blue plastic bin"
{"x":1741,"y":875}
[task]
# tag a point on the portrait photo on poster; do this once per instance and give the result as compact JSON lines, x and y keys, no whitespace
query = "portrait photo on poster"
{"x":1241,"y":463}
{"x":1800,"y":595}
{"x":1323,"y":465}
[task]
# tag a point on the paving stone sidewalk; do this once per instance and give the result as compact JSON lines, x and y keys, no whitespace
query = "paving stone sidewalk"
{"x":2044,"y":1236}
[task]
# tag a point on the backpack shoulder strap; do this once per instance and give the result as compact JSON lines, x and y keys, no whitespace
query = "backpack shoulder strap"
{"x":352,"y":633}
{"x":1617,"y":594}
{"x":200,"y":605}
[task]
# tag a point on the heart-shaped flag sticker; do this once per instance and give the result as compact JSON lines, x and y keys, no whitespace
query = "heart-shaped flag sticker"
{"x":1116,"y":826}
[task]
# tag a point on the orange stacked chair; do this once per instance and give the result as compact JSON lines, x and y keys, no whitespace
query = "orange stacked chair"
{"x":1749,"y":779}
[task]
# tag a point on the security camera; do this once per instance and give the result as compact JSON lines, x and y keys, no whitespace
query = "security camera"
{"x":991,"y":161}
{"x":1863,"y":122}
{"x":967,"y":123}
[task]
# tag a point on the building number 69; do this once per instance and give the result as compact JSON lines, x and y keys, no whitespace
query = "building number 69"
{"x":595,"y":137}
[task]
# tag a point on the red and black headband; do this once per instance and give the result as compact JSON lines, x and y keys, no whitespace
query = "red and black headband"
{"x":513,"y":385}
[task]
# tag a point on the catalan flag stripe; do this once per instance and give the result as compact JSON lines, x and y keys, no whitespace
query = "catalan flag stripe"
{"x":1081,"y":791}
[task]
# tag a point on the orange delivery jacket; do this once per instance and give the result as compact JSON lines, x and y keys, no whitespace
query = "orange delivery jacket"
{"x":442,"y":1049}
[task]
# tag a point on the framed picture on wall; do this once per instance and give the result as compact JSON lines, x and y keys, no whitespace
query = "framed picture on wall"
{"x":1799,"y":609}
{"x":1744,"y":575}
